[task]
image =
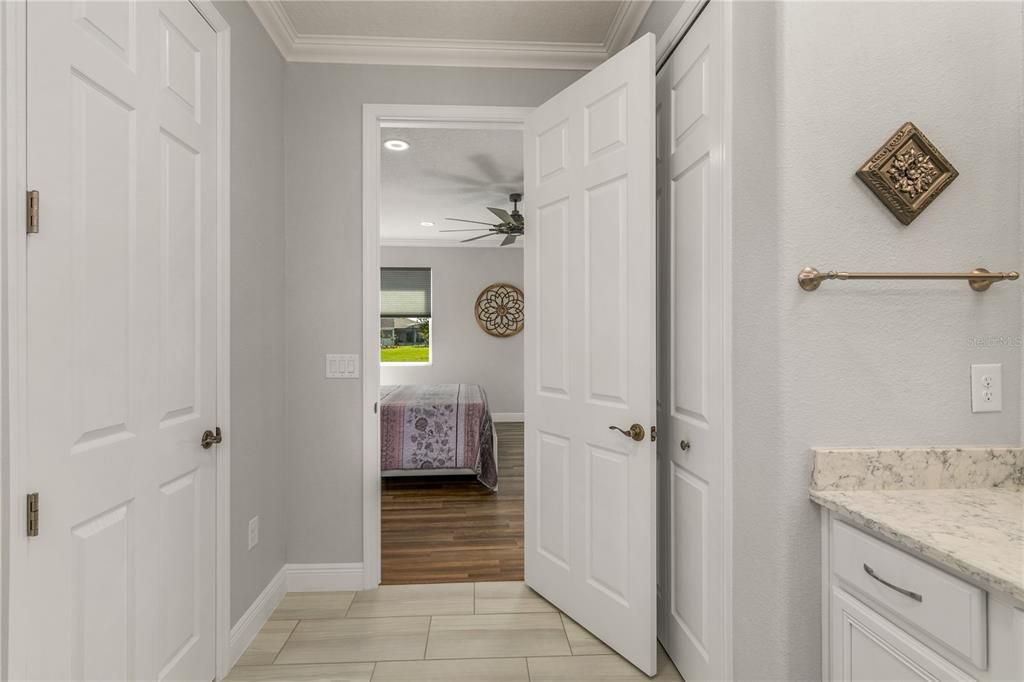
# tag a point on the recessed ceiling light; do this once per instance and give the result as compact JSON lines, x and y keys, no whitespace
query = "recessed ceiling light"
{"x":426,"y":223}
{"x":396,"y":145}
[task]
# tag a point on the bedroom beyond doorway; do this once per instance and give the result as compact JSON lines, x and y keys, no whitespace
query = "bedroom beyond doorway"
{"x":449,"y":262}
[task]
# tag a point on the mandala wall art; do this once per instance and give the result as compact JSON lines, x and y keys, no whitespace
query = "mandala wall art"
{"x":907,"y":173}
{"x":500,"y":310}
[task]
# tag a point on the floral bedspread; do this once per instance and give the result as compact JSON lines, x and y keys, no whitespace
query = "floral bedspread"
{"x":437,"y":426}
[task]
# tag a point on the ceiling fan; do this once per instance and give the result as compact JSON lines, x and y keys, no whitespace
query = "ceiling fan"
{"x":511,"y":225}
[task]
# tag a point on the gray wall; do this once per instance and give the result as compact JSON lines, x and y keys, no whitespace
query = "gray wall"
{"x":323,"y":197}
{"x":819,"y":87}
{"x":659,"y":15}
{"x":257,"y":305}
{"x":461,"y":352}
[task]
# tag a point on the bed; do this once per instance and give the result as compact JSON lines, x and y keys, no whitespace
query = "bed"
{"x":437,"y":429}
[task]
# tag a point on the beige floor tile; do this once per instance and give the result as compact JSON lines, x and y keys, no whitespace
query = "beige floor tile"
{"x":497,"y":635}
{"x":308,"y":605}
{"x":348,"y":640}
{"x":470,"y":670}
{"x":607,"y":668}
{"x":413,"y":600}
{"x":268,"y":642}
{"x":509,"y":597}
{"x":332,"y":672}
{"x":581,"y":641}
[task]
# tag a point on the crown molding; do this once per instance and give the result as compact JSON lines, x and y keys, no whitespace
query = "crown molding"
{"x":337,"y":49}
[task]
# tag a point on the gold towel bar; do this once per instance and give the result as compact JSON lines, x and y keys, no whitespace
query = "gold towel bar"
{"x":979,"y":280}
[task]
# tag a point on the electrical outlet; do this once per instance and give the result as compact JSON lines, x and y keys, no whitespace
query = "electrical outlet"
{"x":986,"y":388}
{"x":254,"y":531}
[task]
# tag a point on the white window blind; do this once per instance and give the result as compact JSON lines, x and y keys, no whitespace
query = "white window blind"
{"x":405,"y":292}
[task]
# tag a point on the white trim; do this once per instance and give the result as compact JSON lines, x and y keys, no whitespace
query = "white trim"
{"x":13,"y":91}
{"x":290,"y":578}
{"x":434,"y":243}
{"x":343,"y":49}
{"x":500,"y":417}
{"x":726,"y":281}
{"x":254,"y":618}
{"x":679,"y":25}
{"x":324,"y":577}
{"x":376,"y":116}
{"x":624,"y":25}
{"x":222,"y":618}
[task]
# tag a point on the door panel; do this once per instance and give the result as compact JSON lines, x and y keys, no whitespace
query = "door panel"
{"x":590,"y":521}
{"x":691,"y":336}
{"x":121,"y":352}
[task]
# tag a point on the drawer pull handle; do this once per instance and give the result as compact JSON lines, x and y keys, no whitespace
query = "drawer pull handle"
{"x":906,"y":593}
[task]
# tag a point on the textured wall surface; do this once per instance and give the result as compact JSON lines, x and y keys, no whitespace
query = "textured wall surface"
{"x":323,"y":180}
{"x":819,"y":86}
{"x":257,"y":305}
{"x":461,"y":352}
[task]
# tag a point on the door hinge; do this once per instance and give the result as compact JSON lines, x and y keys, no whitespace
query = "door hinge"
{"x":32,"y":507}
{"x":33,"y":211}
{"x":654,"y":433}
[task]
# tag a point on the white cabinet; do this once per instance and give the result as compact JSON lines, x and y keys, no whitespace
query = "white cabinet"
{"x":866,"y":646}
{"x":890,"y":616}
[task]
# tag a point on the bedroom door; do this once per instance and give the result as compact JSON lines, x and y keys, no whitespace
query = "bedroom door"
{"x":121,"y":353}
{"x":590,"y":352}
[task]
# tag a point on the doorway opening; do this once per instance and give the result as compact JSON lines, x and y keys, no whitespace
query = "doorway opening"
{"x":443,"y":446}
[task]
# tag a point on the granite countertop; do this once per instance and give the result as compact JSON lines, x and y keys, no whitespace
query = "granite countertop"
{"x":961,"y":508}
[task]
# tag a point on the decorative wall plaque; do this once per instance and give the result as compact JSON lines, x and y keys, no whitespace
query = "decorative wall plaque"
{"x":907,"y":173}
{"x":500,"y":310}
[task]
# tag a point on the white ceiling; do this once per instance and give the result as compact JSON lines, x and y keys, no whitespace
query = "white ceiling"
{"x":574,"y":34}
{"x":446,"y":173}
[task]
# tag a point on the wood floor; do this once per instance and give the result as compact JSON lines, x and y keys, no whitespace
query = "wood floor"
{"x":452,"y":529}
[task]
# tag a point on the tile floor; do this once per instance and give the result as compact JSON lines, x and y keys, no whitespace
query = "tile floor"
{"x":472,"y":632}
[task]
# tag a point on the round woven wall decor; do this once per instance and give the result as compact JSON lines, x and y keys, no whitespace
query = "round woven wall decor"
{"x":500,"y":310}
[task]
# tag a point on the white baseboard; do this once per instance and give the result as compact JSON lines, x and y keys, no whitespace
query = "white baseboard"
{"x":324,"y":577}
{"x":291,"y":578}
{"x":248,"y":626}
{"x":507,"y":416}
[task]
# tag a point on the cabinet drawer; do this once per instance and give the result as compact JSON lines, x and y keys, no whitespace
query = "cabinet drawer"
{"x":939,"y":605}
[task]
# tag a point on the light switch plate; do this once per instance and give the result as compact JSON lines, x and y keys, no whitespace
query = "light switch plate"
{"x":986,"y":388}
{"x":341,"y":367}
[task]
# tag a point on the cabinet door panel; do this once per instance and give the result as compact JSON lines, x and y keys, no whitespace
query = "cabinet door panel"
{"x":868,"y":648}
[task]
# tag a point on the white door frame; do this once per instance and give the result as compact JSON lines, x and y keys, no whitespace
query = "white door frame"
{"x":375,"y":117}
{"x":13,"y":239}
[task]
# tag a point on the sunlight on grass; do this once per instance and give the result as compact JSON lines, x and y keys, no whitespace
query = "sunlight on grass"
{"x":405,"y":354}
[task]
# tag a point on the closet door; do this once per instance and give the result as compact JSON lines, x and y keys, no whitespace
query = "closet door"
{"x":691,"y":336}
{"x":121,"y":354}
{"x":590,"y":352}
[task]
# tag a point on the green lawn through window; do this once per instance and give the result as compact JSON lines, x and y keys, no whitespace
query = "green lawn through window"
{"x":405,"y":354}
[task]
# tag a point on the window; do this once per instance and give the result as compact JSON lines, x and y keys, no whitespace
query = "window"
{"x":405,"y":315}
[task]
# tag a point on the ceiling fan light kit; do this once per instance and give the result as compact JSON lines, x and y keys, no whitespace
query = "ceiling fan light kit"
{"x":512,"y":225}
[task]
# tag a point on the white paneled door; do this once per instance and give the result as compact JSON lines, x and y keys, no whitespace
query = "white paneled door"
{"x":121,"y":354}
{"x":590,"y":352}
{"x":691,"y":450}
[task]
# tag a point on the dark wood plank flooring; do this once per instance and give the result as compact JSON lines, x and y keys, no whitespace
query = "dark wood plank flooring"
{"x":441,"y":529}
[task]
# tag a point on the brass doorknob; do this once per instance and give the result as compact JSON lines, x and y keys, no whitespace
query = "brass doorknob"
{"x":636,"y":432}
{"x":211,"y":438}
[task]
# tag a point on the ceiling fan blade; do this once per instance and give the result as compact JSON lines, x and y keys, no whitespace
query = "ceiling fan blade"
{"x":463,"y":220}
{"x":502,"y":214}
{"x":509,"y":239}
{"x":473,"y":239}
